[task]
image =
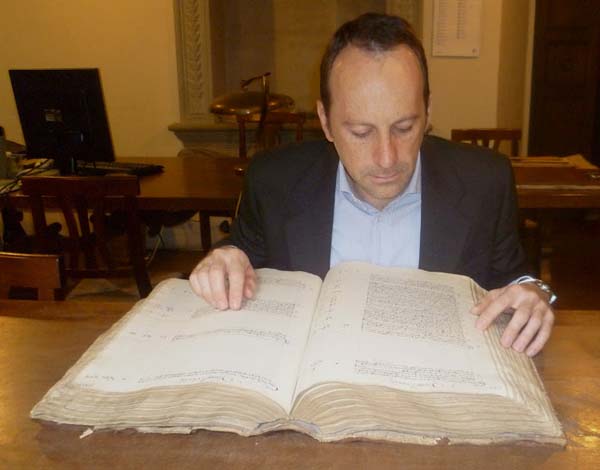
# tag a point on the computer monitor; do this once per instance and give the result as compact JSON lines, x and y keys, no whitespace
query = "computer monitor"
{"x":63,"y":116}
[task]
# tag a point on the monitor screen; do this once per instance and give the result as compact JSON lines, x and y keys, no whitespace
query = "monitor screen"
{"x":62,"y":115}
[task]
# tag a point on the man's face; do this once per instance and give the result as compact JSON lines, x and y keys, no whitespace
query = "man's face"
{"x":377,"y":119}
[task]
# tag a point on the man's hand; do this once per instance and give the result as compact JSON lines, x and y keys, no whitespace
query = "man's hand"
{"x":224,"y":277}
{"x":532,"y":320}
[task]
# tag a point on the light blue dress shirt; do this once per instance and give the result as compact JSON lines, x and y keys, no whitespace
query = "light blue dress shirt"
{"x":390,"y":237}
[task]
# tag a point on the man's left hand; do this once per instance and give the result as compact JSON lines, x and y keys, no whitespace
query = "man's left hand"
{"x":532,"y":320}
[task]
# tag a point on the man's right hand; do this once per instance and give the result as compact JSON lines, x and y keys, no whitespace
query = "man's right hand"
{"x":224,"y":278}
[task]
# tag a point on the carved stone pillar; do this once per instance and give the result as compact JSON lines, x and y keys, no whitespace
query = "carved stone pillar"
{"x":192,"y":23}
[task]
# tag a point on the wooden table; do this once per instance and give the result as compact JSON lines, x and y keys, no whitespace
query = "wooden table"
{"x":206,"y":183}
{"x":187,"y":183}
{"x":556,"y":182}
{"x":210,"y":183}
{"x":40,"y":340}
{"x":202,"y":184}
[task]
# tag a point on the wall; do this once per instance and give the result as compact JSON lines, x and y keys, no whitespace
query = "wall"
{"x":285,"y":37}
{"x":528,"y":74}
{"x":134,"y":46}
{"x":248,"y":42}
{"x":464,"y":91}
{"x":513,"y":55}
{"x":301,"y":40}
{"x":131,"y":42}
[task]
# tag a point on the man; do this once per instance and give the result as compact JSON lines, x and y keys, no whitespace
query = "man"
{"x":380,"y":191}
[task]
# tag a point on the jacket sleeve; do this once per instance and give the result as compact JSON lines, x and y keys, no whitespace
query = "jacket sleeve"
{"x":247,"y":229}
{"x":508,"y":260}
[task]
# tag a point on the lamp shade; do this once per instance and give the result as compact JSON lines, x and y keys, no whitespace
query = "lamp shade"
{"x":249,"y":102}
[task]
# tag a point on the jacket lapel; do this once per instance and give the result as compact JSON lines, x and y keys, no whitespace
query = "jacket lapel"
{"x":444,"y":223}
{"x":444,"y":220}
{"x":309,"y":220}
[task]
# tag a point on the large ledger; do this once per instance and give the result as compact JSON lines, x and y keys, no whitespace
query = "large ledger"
{"x":370,"y":352}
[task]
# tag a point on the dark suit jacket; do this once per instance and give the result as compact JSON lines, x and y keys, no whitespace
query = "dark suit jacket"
{"x":468,"y":220}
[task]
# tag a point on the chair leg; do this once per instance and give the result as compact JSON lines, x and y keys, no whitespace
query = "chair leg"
{"x":136,"y":256}
{"x":140,"y":271}
{"x":142,"y":280}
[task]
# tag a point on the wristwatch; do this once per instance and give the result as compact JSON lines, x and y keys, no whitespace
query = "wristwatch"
{"x":541,"y":285}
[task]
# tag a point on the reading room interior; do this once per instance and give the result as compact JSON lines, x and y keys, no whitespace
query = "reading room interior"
{"x":126,"y":134}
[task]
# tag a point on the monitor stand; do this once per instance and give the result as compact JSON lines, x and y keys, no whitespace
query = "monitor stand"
{"x":69,"y":146}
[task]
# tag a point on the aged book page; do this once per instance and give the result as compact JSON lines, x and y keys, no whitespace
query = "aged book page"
{"x":394,"y":354}
{"x":177,"y":339}
{"x":381,"y":353}
{"x":406,"y":329}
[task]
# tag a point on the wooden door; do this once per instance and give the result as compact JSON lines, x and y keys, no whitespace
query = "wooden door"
{"x":565,"y":115}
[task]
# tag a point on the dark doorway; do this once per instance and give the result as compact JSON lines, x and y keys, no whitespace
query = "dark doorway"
{"x":565,"y":95}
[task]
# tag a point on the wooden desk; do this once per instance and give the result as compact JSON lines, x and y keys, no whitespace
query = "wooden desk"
{"x":209,"y":184}
{"x":555,"y":182}
{"x":202,"y":184}
{"x":187,"y":183}
{"x":40,"y":340}
{"x":206,"y":183}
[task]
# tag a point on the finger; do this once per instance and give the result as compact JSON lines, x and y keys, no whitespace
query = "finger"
{"x":250,"y":289}
{"x":217,"y":285}
{"x":492,"y":311}
{"x":200,"y":285}
{"x":236,"y":286}
{"x":514,"y":327}
{"x":486,"y":301}
{"x":195,"y":283}
{"x":204,"y":286}
{"x":543,"y":334}
{"x":251,"y":282}
{"x":527,"y":334}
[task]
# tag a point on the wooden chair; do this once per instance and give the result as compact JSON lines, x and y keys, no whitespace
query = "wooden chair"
{"x":42,"y":272}
{"x":491,"y":138}
{"x":269,"y":137}
{"x":86,"y":248}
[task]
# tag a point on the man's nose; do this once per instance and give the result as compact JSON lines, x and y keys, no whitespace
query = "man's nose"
{"x":385,"y":154}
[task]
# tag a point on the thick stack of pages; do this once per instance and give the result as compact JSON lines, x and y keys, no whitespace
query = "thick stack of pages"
{"x":371,"y":352}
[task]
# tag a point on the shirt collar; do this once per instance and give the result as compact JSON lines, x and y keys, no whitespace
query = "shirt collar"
{"x":344,"y":187}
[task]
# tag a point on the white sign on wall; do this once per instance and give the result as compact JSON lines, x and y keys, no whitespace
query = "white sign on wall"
{"x":456,"y":28}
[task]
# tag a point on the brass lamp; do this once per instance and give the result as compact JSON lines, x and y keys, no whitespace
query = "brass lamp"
{"x":246,"y":102}
{"x":251,"y":106}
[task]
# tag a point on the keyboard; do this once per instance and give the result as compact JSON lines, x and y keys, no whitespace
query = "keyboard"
{"x":103,"y":168}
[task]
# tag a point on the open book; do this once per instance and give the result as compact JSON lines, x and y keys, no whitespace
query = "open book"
{"x":370,"y":352}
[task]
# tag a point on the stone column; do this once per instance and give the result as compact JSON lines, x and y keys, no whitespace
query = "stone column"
{"x":192,"y":28}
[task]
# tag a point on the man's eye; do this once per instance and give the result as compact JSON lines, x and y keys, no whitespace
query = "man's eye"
{"x":403,"y":130}
{"x":361,"y":134}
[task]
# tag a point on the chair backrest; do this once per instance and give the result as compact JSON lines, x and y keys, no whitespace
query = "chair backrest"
{"x":42,"y":272}
{"x":491,"y":138}
{"x":271,"y":133}
{"x":86,"y":248}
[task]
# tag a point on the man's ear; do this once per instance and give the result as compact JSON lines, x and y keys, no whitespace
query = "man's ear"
{"x":428,"y":126}
{"x":324,"y":122}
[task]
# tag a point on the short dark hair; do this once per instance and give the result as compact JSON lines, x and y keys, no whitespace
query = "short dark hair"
{"x":373,"y":32}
